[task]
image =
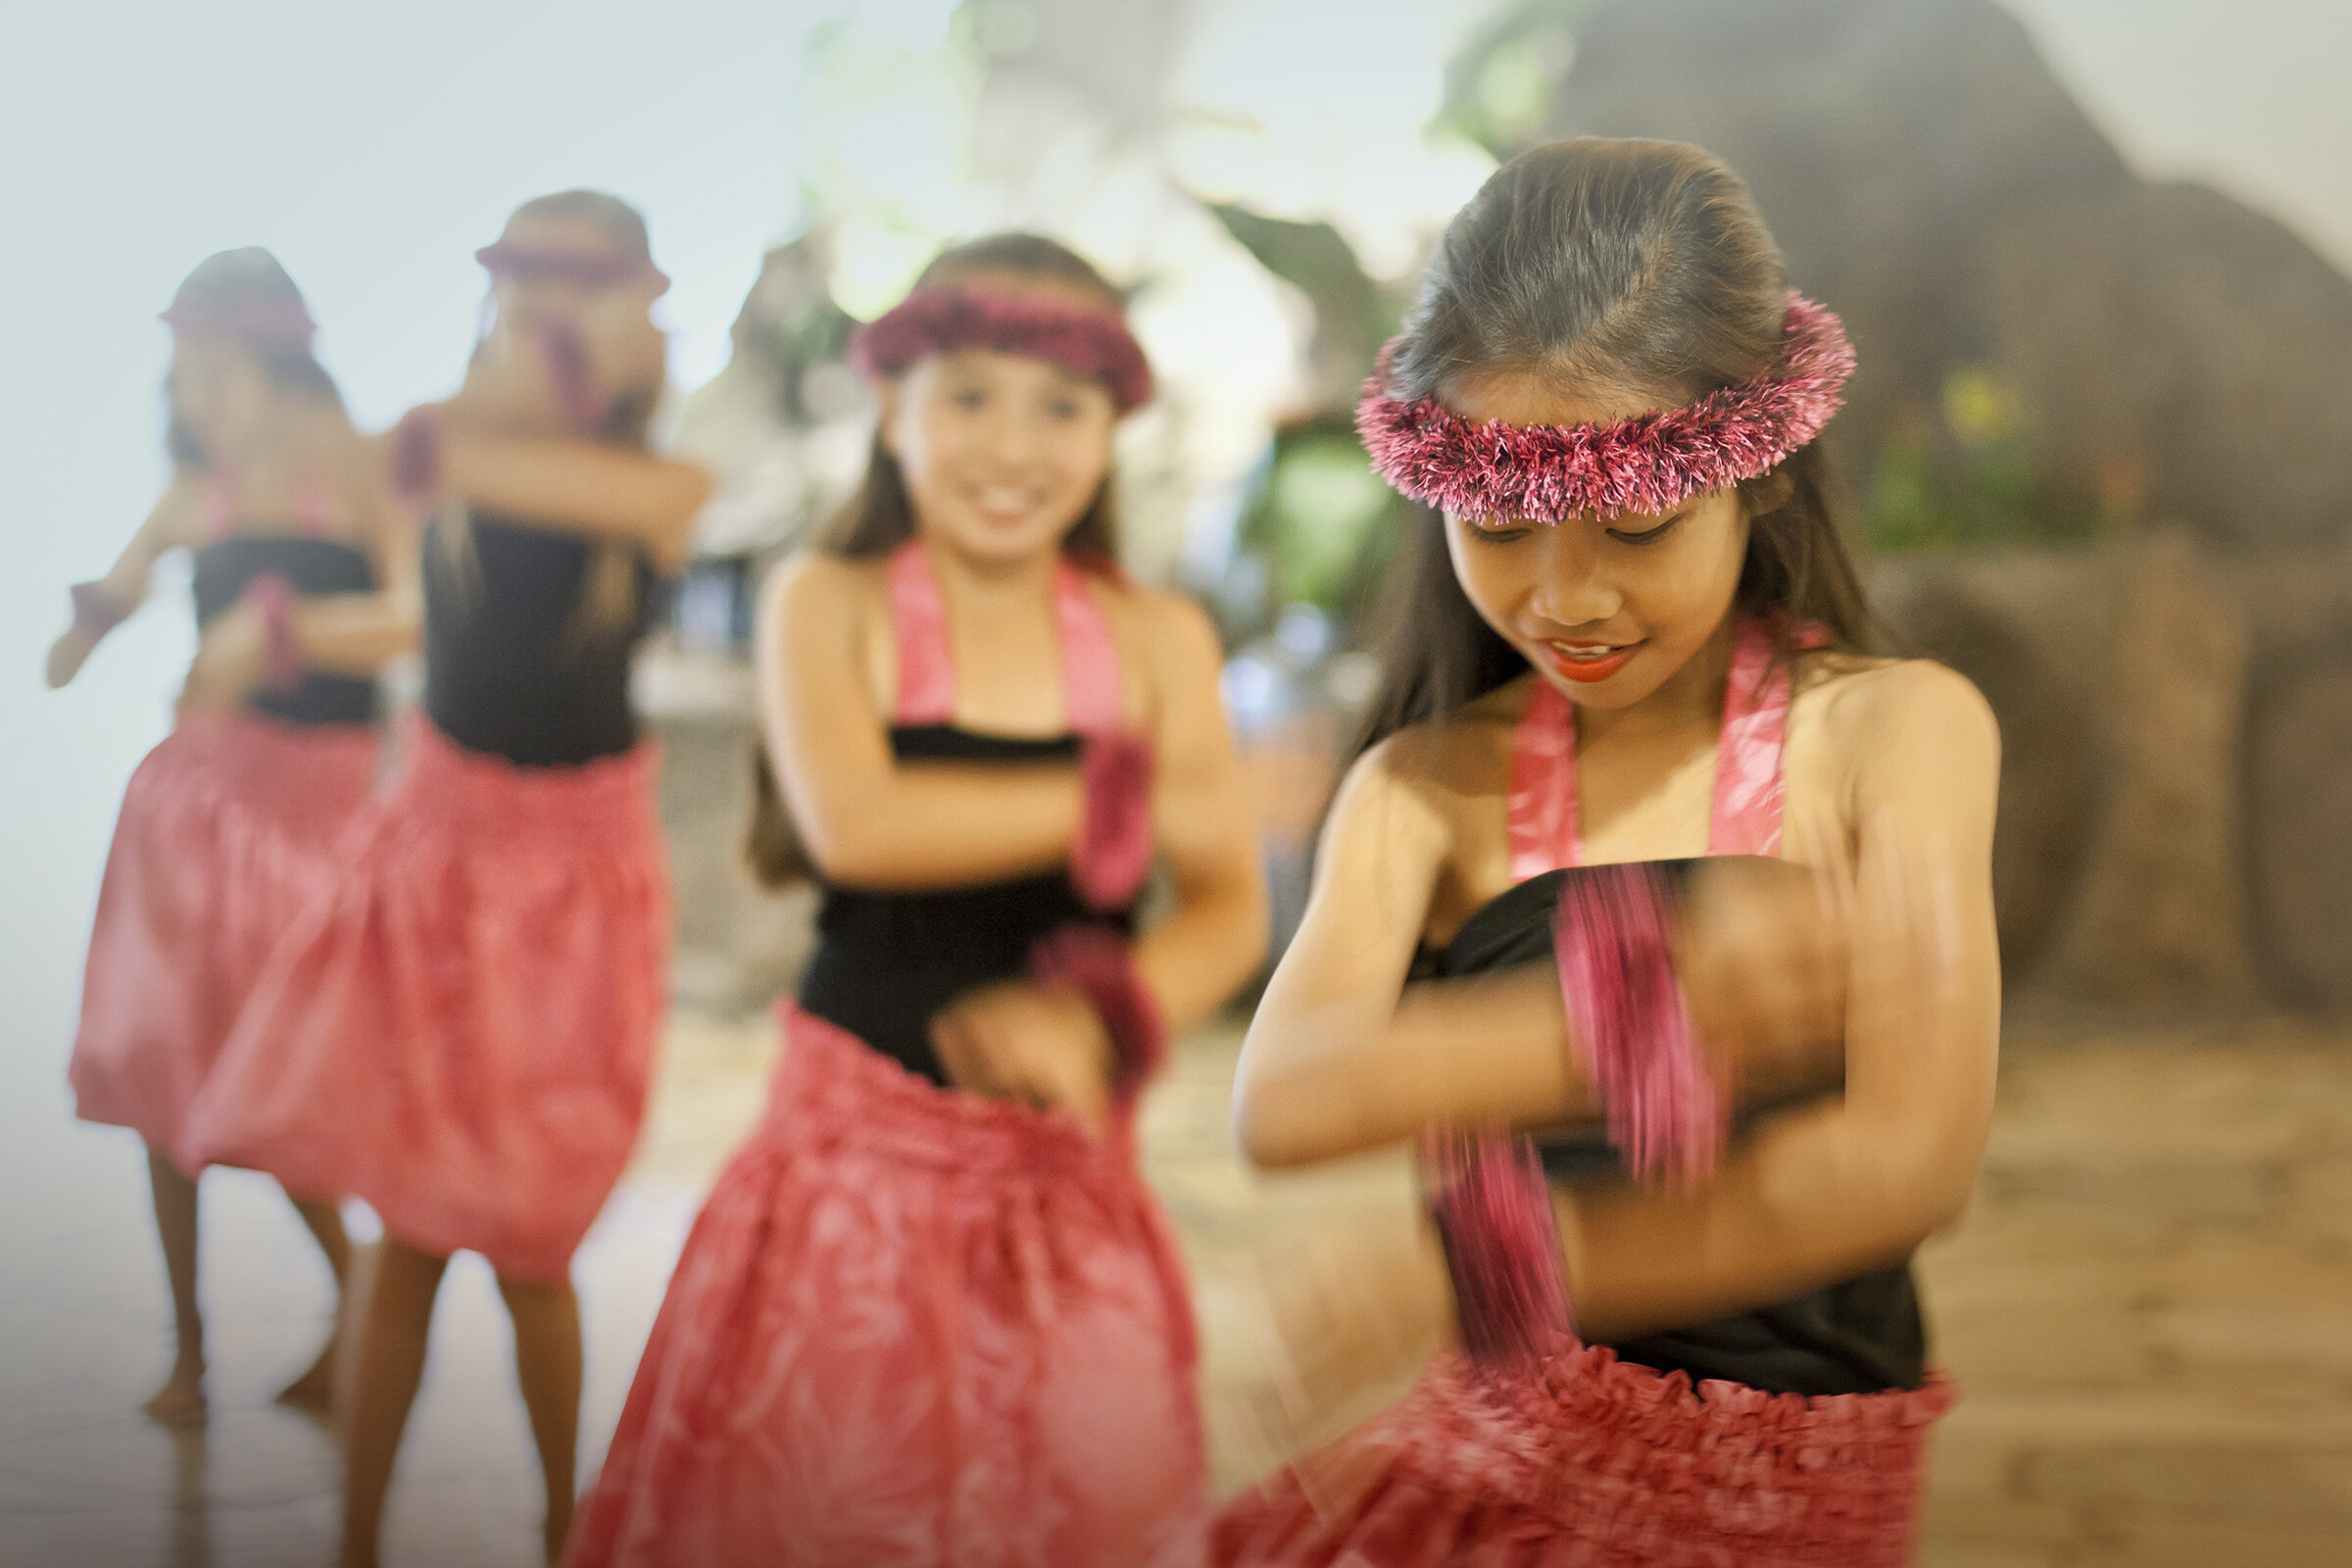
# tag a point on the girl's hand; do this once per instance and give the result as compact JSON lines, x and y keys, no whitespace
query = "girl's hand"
{"x":1762,"y":956}
{"x":73,"y":646}
{"x":1044,"y":1048}
{"x":229,"y":663}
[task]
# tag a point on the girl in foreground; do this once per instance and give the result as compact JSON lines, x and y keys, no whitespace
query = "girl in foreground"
{"x":930,"y":1315}
{"x":463,"y":1035}
{"x":305,"y":584}
{"x":1631,"y":637}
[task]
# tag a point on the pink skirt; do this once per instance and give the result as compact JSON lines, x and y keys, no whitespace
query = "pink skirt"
{"x":229,"y":830}
{"x":1590,"y":1462}
{"x":464,"y":1034}
{"x":911,"y":1329}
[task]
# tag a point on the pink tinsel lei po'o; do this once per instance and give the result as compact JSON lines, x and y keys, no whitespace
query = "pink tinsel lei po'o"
{"x":1093,"y":343}
{"x":1648,"y":464}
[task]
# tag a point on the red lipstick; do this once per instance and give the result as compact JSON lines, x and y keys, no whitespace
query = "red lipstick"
{"x":1589,"y":670}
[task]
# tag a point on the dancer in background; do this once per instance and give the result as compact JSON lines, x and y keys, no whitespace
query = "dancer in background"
{"x":304,"y":584}
{"x":1628,"y":633}
{"x":463,"y":1035}
{"x":930,"y":1315}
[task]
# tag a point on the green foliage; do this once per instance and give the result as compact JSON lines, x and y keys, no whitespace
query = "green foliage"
{"x":1501,"y":89}
{"x":1352,"y":313}
{"x":1963,"y":477}
{"x":1321,"y":520}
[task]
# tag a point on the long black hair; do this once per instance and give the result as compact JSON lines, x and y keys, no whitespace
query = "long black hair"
{"x":1631,"y":267}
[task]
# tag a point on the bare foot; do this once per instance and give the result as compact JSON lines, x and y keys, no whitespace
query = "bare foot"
{"x":313,"y":1393}
{"x":179,"y":1402}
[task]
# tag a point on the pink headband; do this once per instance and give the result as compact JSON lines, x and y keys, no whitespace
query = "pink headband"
{"x":1648,"y":464}
{"x":256,"y":320}
{"x":939,"y":321}
{"x":590,"y":269}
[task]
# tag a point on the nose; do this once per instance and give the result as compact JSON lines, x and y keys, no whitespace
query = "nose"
{"x":1570,"y":590}
{"x":1014,"y":433}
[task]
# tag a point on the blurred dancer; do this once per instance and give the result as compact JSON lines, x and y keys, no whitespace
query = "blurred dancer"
{"x":305,"y":584}
{"x":1630,"y":635}
{"x":464,"y":1036}
{"x":930,"y":1313}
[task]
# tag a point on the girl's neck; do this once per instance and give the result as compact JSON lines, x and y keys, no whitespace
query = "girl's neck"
{"x":986,"y":586}
{"x":1690,"y":697}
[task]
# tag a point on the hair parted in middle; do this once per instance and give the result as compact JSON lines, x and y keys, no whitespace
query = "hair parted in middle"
{"x":1625,"y":267}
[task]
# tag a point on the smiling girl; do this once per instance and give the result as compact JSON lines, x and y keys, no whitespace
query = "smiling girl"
{"x":1630,"y":639}
{"x":930,"y":1315}
{"x":464,"y":1034}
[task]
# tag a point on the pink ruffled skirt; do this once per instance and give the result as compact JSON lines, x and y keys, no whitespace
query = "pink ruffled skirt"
{"x":464,"y":1034}
{"x":229,"y":830}
{"x":911,"y":1329}
{"x":1591,"y":1462}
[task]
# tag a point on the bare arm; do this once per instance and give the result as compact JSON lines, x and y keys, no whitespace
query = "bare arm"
{"x":865,"y":821}
{"x":1341,"y":1056}
{"x":1217,"y":934}
{"x":1829,"y":1191}
{"x":357,"y":634}
{"x":125,"y":586}
{"x":580,"y":487}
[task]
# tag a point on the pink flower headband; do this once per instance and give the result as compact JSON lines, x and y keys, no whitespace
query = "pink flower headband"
{"x":1648,"y":464}
{"x":1093,"y":343}
{"x":590,"y":269}
{"x":265,"y":322}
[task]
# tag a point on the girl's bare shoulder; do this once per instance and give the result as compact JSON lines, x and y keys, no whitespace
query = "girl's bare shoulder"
{"x":818,"y":581}
{"x":1861,"y":702}
{"x":1457,"y":756}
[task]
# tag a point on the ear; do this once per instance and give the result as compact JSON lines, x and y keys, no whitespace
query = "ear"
{"x":1768,"y":495}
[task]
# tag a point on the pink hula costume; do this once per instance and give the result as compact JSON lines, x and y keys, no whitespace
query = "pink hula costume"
{"x":914,"y":1327}
{"x":1790,"y":1436}
{"x":462,"y":1033}
{"x":228,"y":829}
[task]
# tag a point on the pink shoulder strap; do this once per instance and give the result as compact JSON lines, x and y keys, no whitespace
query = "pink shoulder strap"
{"x":1090,"y":653}
{"x":1546,"y":833}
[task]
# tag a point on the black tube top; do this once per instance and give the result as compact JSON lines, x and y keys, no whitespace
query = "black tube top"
{"x":509,"y":667}
{"x":315,"y":569}
{"x":886,"y":961}
{"x":1861,"y":1336}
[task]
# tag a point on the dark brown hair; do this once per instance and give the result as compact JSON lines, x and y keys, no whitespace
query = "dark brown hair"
{"x":880,"y":516}
{"x":1638,"y":268}
{"x":249,"y":276}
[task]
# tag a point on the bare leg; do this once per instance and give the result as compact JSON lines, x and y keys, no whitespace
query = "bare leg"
{"x":314,"y":1390}
{"x":397,"y":1318}
{"x":547,"y":1363}
{"x":180,"y":1400}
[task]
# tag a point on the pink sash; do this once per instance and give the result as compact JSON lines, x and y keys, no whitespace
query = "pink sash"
{"x":1546,"y":833}
{"x":1090,"y":653}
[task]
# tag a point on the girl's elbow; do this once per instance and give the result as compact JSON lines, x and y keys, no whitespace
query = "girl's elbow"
{"x":1267,"y":1124}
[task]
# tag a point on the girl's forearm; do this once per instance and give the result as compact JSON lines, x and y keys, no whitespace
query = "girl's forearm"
{"x":356,"y":634}
{"x":1194,"y":960}
{"x":580,"y":487}
{"x":945,"y":824}
{"x":1817,"y":1195}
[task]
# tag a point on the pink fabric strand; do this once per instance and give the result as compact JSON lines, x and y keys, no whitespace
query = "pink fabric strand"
{"x":1493,"y":1210}
{"x":1629,"y":1025}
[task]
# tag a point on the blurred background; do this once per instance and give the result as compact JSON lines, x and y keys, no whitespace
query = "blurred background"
{"x":2093,"y":254}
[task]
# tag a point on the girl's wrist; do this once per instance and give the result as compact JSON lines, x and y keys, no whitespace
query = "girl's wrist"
{"x":95,"y":613}
{"x":271,"y":600}
{"x":1100,"y":965}
{"x":1494,"y":1218}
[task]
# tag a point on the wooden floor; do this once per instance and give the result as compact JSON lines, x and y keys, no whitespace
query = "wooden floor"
{"x":2149,"y":1307}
